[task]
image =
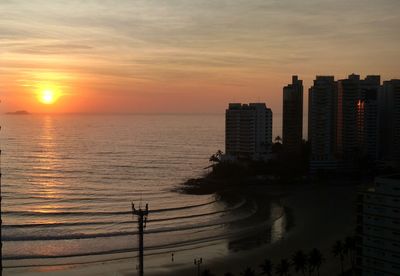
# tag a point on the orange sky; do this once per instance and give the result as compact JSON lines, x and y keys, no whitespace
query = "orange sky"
{"x":186,"y":56}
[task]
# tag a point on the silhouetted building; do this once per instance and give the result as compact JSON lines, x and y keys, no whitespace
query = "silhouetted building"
{"x":368,"y":126}
{"x":357,"y":119}
{"x":389,"y":118}
{"x":322,"y":123}
{"x":378,"y":228}
{"x":348,"y":95}
{"x":248,"y":130}
{"x":292,"y":133}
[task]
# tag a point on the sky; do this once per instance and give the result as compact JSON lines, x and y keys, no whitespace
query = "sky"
{"x":193,"y":56}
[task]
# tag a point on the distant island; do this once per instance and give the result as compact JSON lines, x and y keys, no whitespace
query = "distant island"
{"x":18,"y":112}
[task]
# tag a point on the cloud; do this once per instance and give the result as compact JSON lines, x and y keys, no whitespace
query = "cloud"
{"x":223,"y":42}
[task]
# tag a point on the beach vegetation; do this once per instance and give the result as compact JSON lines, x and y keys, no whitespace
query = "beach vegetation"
{"x":266,"y":267}
{"x":282,"y":268}
{"x":299,"y":261}
{"x":315,"y":260}
{"x":248,"y":271}
{"x":339,"y":251}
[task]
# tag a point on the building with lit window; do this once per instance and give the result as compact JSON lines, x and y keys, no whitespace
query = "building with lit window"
{"x":357,"y":119}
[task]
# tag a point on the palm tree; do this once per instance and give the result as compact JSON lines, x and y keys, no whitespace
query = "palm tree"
{"x":266,"y":267}
{"x":315,"y":259}
{"x":248,"y":272}
{"x":350,"y":248}
{"x":278,"y":139}
{"x":338,"y":251}
{"x":207,"y":272}
{"x":299,"y":260}
{"x":282,"y":269}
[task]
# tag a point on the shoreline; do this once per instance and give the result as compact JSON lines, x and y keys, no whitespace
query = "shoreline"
{"x":303,"y":234}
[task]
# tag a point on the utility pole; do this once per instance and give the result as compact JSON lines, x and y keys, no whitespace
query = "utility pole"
{"x":142,"y":220}
{"x":198,"y":262}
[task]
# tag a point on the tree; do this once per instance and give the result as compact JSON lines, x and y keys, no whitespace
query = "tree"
{"x":278,"y":139}
{"x":216,"y":157}
{"x":248,"y":272}
{"x":266,"y":267}
{"x":338,"y":251}
{"x":315,"y":260}
{"x":299,"y":260}
{"x":350,"y":249}
{"x":282,"y":268}
{"x":207,"y":272}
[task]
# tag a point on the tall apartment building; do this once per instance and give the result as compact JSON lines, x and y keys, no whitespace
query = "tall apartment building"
{"x":292,"y":132}
{"x":348,"y":95}
{"x":344,"y":121}
{"x":389,"y":118}
{"x":357,"y":118}
{"x":378,"y":228}
{"x":248,"y":130}
{"x":368,"y":119}
{"x":322,"y":123}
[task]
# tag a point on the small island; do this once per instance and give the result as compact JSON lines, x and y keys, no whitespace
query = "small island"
{"x":18,"y":112}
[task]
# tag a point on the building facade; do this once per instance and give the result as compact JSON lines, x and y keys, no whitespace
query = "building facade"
{"x":368,"y":119}
{"x":348,"y":95}
{"x":322,"y":123}
{"x":357,"y":119}
{"x":292,"y":124}
{"x":248,"y":130}
{"x":389,"y":118}
{"x":378,"y":228}
{"x":345,"y":122}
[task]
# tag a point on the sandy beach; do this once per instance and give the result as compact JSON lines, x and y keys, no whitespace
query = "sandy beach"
{"x":315,"y":217}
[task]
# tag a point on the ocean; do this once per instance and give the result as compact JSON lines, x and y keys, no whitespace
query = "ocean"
{"x":69,"y":180}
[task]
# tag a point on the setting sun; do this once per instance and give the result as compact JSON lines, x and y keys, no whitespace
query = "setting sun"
{"x":48,"y":97}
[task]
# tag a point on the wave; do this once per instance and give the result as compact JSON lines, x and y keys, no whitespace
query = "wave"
{"x":84,"y":223}
{"x":150,"y":250}
{"x":125,"y":233}
{"x":101,"y":213}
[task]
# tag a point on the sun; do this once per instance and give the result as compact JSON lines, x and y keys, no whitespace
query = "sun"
{"x":48,"y":96}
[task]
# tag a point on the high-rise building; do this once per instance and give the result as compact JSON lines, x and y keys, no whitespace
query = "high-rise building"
{"x":292,"y":125}
{"x":248,"y":130}
{"x":357,"y":118}
{"x":368,"y":120}
{"x":389,"y":119}
{"x":348,"y":95}
{"x":378,"y":228}
{"x":322,"y":123}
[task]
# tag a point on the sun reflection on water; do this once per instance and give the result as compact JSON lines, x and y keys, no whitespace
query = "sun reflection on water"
{"x":48,"y":188}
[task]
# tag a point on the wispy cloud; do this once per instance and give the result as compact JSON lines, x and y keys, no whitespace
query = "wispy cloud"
{"x":235,"y":42}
